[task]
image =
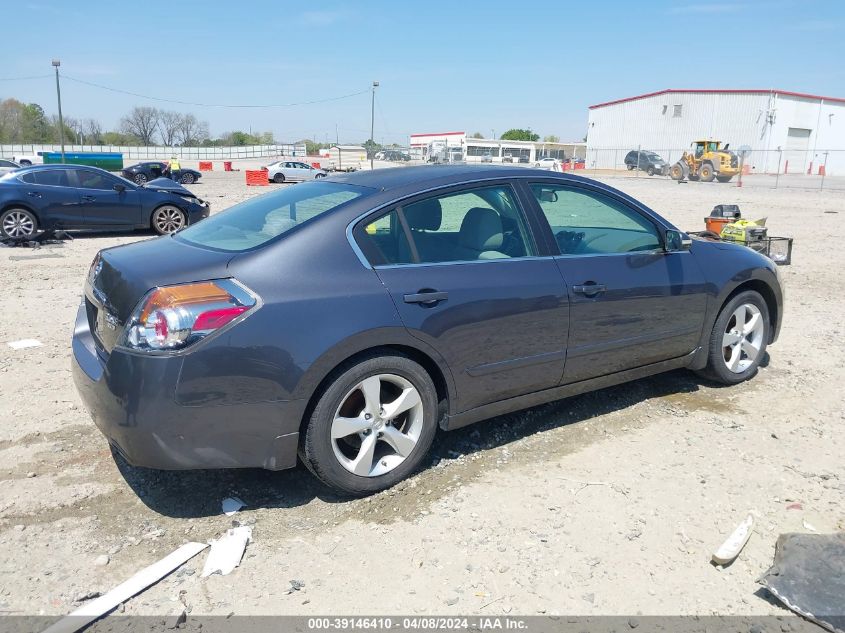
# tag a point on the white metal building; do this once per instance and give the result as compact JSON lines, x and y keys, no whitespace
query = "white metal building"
{"x":474,"y":149}
{"x":787,"y":131}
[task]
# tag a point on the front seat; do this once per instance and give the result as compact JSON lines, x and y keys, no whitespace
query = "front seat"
{"x":424,"y":219}
{"x":481,"y":234}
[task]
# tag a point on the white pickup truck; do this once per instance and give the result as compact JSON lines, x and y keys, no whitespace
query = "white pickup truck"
{"x":25,"y":160}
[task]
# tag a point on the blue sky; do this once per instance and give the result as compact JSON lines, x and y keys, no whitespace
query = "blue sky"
{"x":443,"y":66}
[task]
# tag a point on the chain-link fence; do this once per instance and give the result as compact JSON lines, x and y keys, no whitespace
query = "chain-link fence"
{"x":773,"y":168}
{"x":131,"y":152}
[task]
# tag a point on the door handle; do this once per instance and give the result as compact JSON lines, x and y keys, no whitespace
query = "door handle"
{"x":429,"y":297}
{"x":589,"y":289}
{"x":33,"y":194}
{"x":89,"y":198}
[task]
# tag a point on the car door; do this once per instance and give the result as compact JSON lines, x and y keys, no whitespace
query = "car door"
{"x":103,"y":205}
{"x":466,"y":277}
{"x":50,"y":194}
{"x":632,"y":303}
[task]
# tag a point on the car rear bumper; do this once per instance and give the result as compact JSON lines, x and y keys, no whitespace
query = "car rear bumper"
{"x":131,"y":398}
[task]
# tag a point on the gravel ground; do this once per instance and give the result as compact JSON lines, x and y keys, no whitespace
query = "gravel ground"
{"x":607,"y":503}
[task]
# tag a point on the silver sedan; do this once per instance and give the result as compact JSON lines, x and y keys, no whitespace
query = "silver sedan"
{"x":292,"y":171}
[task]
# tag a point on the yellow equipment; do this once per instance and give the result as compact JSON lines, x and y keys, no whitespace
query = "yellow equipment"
{"x":746,"y":232}
{"x":705,"y":161}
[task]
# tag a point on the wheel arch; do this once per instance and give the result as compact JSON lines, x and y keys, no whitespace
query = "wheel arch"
{"x":764,"y":290}
{"x":441,"y":378}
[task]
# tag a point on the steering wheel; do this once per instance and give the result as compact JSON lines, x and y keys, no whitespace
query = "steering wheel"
{"x":569,"y":242}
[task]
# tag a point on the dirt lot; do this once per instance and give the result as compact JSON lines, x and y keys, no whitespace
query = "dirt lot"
{"x":608,"y":503}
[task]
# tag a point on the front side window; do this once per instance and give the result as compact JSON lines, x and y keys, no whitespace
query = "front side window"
{"x":257,"y":221}
{"x":588,"y":223}
{"x":477,"y":224}
{"x":93,"y":180}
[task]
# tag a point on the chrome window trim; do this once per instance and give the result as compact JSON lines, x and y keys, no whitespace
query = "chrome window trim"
{"x":466,"y":261}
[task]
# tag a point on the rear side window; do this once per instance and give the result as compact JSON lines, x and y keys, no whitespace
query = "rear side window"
{"x":51,"y":177}
{"x":476,"y":224}
{"x":588,"y":223}
{"x":255,"y":222}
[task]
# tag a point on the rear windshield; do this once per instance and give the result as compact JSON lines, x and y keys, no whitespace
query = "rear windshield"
{"x":255,"y":222}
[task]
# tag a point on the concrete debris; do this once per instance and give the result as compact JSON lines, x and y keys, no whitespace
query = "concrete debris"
{"x":731,"y":548}
{"x":25,"y":343}
{"x":87,"y":613}
{"x":227,"y":551}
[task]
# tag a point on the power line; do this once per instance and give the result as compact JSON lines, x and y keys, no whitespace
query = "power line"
{"x":215,"y":105}
{"x":24,"y":78}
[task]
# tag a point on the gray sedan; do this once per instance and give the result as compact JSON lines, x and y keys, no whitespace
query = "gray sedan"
{"x":292,"y":171}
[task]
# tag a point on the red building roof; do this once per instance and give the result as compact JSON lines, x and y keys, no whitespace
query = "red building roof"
{"x":713,"y":91}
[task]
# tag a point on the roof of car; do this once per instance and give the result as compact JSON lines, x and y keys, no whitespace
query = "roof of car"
{"x":395,"y":177}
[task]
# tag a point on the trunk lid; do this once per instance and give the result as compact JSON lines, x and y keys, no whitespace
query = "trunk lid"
{"x":125,"y":274}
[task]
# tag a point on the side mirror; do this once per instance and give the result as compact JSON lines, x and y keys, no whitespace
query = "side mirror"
{"x":676,"y":241}
{"x":548,"y":195}
{"x":119,"y":188}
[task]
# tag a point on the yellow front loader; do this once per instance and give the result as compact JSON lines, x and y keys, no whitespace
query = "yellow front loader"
{"x":706,"y":161}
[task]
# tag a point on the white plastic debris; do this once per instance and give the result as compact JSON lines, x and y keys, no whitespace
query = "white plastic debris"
{"x":731,"y":548}
{"x":809,"y":526}
{"x":24,"y":343}
{"x":227,"y":551}
{"x":231,"y":505}
{"x":89,"y":612}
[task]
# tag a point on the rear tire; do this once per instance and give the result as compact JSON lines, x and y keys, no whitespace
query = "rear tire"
{"x":18,"y":224}
{"x":630,"y":167}
{"x":739,"y":338}
{"x":140,"y":179}
{"x":279,"y":178}
{"x":706,"y":173}
{"x":188,"y":179}
{"x":26,"y":163}
{"x":360,"y":455}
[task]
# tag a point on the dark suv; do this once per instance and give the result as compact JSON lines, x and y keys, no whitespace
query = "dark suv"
{"x":648,"y":162}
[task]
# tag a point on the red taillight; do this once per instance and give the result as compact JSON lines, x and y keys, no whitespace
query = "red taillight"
{"x":173,"y":317}
{"x":214,"y":319}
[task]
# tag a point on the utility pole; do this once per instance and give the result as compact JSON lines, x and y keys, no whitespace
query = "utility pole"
{"x":373,"y":123}
{"x":56,"y":64}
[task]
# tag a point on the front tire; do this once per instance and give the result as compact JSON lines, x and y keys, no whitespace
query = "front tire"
{"x":18,"y":224}
{"x":724,"y":178}
{"x":677,"y":172}
{"x":168,"y":219}
{"x":738,"y":340}
{"x":372,"y":426}
{"x":650,"y":170}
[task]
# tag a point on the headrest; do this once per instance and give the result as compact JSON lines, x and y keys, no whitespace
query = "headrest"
{"x":481,"y":230}
{"x":425,"y":215}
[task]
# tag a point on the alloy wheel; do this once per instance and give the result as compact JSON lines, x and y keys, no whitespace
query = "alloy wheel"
{"x":168,"y":220}
{"x":743,"y":338}
{"x":140,"y":179}
{"x":377,"y":425}
{"x":18,"y":224}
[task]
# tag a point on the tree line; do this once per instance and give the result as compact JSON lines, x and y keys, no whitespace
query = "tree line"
{"x":28,"y":123}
